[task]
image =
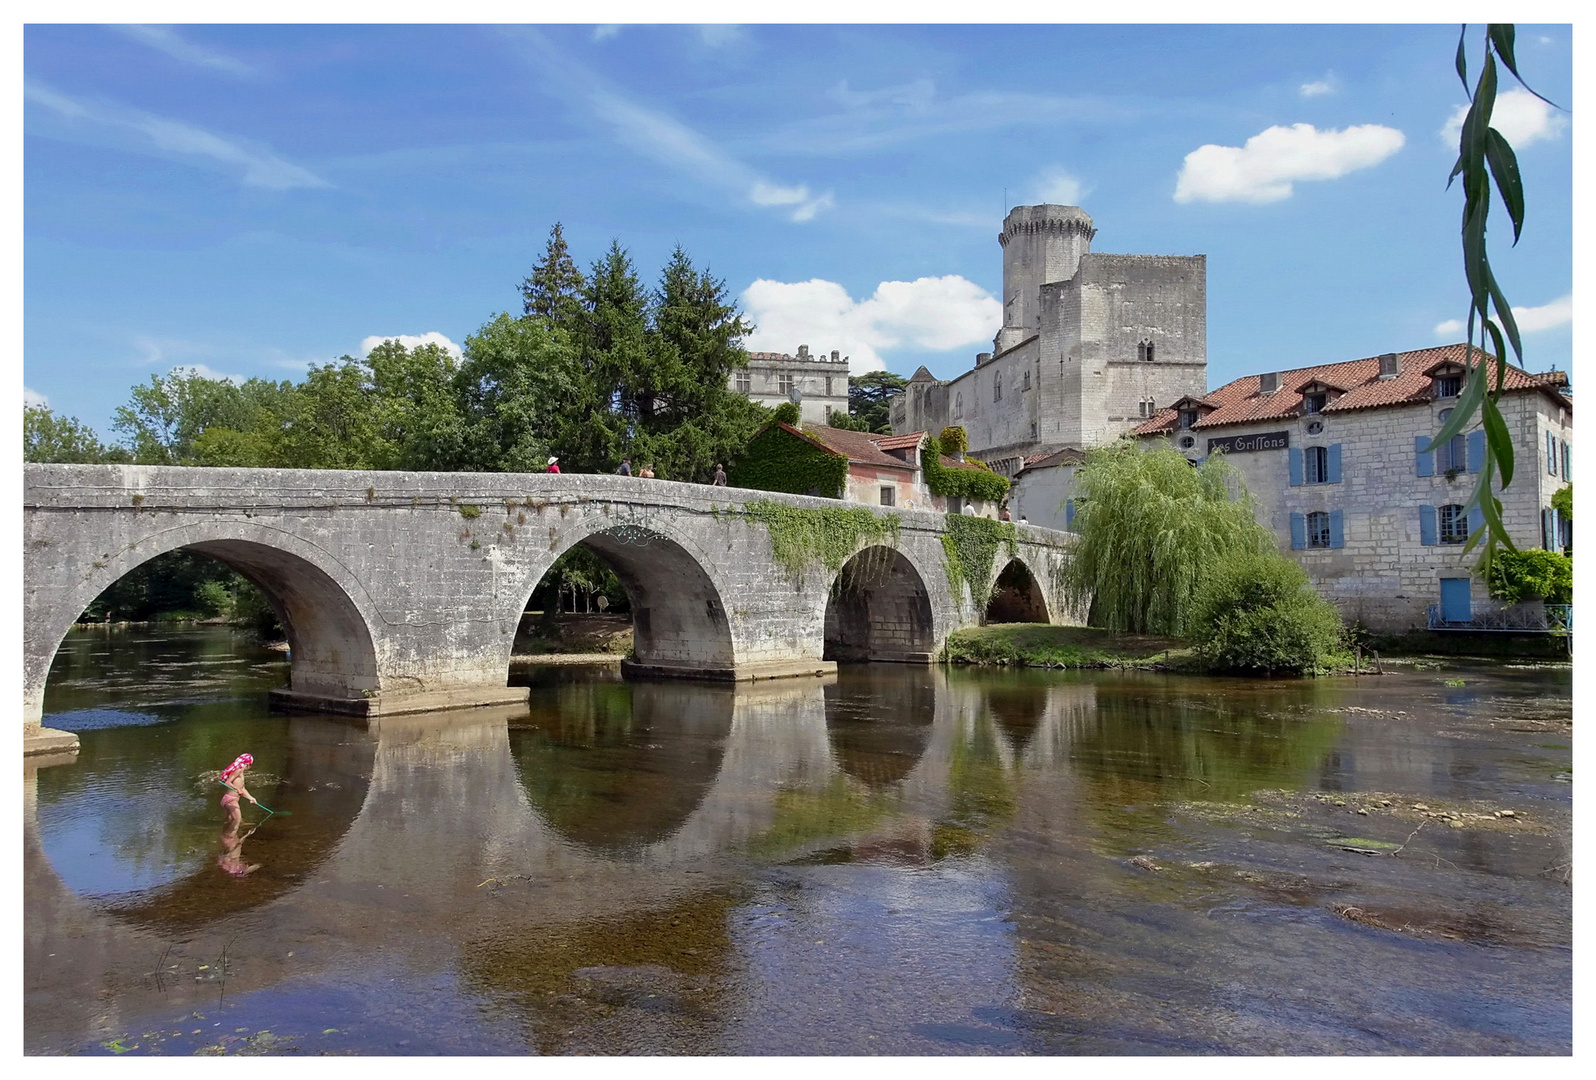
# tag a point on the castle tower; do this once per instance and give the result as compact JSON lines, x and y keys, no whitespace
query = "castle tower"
{"x":1041,"y":244}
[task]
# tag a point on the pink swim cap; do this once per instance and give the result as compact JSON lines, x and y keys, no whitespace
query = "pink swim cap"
{"x":242,"y":761}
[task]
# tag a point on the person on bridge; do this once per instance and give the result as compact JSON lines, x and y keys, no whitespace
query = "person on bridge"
{"x":648,"y":471}
{"x":232,"y":779}
{"x":720,"y":477}
{"x":626,"y":467}
{"x":554,"y":465}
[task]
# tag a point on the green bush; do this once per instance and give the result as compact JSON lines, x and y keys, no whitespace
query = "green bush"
{"x":1257,"y":612}
{"x":979,"y":482}
{"x":786,"y":413}
{"x":1563,"y":501}
{"x":1532,"y":574}
{"x":778,"y":460}
{"x":954,"y":440}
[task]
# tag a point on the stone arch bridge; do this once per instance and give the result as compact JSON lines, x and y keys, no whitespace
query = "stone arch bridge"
{"x":401,"y":592}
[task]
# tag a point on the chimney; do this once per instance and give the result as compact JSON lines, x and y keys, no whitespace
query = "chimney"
{"x":1269,"y":382}
{"x":1388,"y":365}
{"x":982,"y":357}
{"x":836,"y":355}
{"x":803,"y":352}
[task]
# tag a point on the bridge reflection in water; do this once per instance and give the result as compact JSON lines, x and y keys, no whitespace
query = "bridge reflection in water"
{"x":623,"y":866}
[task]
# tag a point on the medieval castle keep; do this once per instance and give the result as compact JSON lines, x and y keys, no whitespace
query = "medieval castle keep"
{"x":1091,"y":345}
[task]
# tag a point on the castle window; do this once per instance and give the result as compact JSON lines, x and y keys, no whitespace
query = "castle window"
{"x":1144,"y":352}
{"x":745,"y":382}
{"x":1033,"y":431}
{"x":828,"y":385}
{"x":1027,"y":383}
{"x":1448,"y":385}
{"x":1315,"y":465}
{"x":784,"y":383}
{"x":1454,"y":522}
{"x":1318,"y":524}
{"x":997,"y":386}
{"x":958,"y":405}
{"x":1313,"y":403}
{"x":1452,"y":455}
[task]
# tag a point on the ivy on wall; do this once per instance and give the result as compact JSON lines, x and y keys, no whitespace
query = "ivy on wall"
{"x":971,"y":546}
{"x":977,"y":483}
{"x":800,"y":536}
{"x":778,"y":460}
{"x":954,"y":440}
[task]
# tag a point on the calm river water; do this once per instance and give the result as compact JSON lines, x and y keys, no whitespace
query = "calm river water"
{"x":894,"y":861}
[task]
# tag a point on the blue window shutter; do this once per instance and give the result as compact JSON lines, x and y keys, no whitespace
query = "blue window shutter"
{"x":1426,"y":462}
{"x":1568,"y":468}
{"x":1069,"y":513}
{"x":1476,"y":520}
{"x":1337,"y":536}
{"x":1294,"y":457}
{"x":1546,"y":528}
{"x":1551,"y":454}
{"x":1476,"y":451}
{"x":1333,"y":464}
{"x":1427,"y":529}
{"x":1299,"y":532}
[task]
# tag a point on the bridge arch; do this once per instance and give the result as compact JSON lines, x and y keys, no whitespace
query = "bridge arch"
{"x":680,"y":625}
{"x":1017,"y":596}
{"x":322,"y":606}
{"x":880,"y":609}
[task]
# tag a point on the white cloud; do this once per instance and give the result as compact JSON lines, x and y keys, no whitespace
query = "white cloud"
{"x":1521,"y":117}
{"x":34,"y":399}
{"x":929,"y":313}
{"x":204,"y":372}
{"x":165,"y":39}
{"x":664,"y":138}
{"x":1316,"y":88}
{"x":1559,"y":312}
{"x":1265,"y":169}
{"x":410,"y":341}
{"x":1055,"y":185}
{"x":146,"y":133}
{"x":916,"y":96}
{"x":606,"y":31}
{"x":720,"y":35}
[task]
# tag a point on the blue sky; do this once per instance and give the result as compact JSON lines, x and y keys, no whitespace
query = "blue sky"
{"x":250,"y":199}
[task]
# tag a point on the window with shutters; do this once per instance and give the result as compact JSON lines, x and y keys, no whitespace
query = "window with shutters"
{"x":1452,"y":456}
{"x":1318,"y":529}
{"x":1315,"y":465}
{"x":1454,"y":524}
{"x":745,"y":382}
{"x":1568,"y":469}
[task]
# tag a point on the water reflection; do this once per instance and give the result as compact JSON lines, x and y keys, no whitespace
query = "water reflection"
{"x":899,"y":859}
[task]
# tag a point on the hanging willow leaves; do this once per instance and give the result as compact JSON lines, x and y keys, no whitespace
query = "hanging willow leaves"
{"x":1485,"y":158}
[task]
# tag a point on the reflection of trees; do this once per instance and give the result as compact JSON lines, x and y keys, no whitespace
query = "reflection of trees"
{"x":621,"y":765}
{"x":982,"y":792}
{"x":1135,"y":750}
{"x":530,"y":972}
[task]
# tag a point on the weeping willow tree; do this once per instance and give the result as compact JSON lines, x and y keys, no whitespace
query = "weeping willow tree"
{"x":1151,"y":526}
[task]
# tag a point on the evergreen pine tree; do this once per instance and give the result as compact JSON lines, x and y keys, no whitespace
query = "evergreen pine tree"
{"x":553,"y":291}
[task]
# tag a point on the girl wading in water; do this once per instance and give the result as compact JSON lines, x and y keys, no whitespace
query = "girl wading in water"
{"x":232,"y":779}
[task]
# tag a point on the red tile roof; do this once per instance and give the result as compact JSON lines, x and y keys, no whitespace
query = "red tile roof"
{"x":857,"y":446}
{"x":1239,"y":402}
{"x":768,"y":356}
{"x":898,"y":442}
{"x":1068,"y":455}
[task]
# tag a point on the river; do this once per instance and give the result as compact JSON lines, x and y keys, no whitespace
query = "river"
{"x":897,"y":860}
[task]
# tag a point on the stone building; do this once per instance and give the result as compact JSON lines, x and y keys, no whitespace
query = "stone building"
{"x":1333,"y":456}
{"x":818,"y":383}
{"x":1092,"y":344}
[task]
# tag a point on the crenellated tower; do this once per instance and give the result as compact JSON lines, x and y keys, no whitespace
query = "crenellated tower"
{"x":1041,"y":244}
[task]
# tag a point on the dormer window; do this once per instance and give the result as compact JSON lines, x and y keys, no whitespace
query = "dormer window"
{"x":1447,"y":386}
{"x":1313,"y":403}
{"x":1188,"y":417}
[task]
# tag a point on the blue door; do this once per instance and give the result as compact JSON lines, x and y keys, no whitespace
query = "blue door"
{"x":1455,"y":600}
